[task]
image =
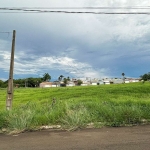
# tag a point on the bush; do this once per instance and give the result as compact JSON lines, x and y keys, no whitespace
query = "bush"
{"x":3,"y":119}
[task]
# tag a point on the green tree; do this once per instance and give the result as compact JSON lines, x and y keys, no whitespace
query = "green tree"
{"x":1,"y":83}
{"x":68,"y":78}
{"x":123,"y":74}
{"x":46,"y":77}
{"x":60,"y":78}
{"x":79,"y":82}
{"x":28,"y":82}
{"x":146,"y":76}
{"x":65,"y":80}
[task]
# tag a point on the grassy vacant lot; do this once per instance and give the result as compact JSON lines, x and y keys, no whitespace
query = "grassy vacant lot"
{"x":75,"y":107}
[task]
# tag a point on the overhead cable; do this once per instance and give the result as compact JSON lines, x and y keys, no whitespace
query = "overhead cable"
{"x":125,"y":7}
{"x":75,"y":12}
{"x":25,"y":10}
{"x":5,"y":32}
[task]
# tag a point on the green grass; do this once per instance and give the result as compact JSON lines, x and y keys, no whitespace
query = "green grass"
{"x":75,"y":107}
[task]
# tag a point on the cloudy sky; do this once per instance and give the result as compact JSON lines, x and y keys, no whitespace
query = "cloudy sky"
{"x":75,"y":45}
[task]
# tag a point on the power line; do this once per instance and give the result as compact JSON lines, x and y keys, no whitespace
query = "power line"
{"x":42,"y":10}
{"x":5,"y":32}
{"x":70,"y":12}
{"x":127,"y":7}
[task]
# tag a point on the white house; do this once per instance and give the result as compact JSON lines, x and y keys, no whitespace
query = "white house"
{"x":70,"y":83}
{"x":100,"y":82}
{"x":117,"y":81}
{"x":84,"y":84}
{"x":46,"y":84}
{"x":127,"y":81}
{"x":94,"y":82}
{"x":49,"y":84}
{"x":134,"y":80}
{"x":106,"y":82}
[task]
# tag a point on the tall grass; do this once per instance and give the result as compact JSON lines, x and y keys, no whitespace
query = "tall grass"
{"x":75,"y":107}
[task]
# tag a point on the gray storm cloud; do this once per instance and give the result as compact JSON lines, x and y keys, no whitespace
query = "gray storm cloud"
{"x":81,"y":44}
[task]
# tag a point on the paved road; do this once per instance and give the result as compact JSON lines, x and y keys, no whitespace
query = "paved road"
{"x":123,"y":138}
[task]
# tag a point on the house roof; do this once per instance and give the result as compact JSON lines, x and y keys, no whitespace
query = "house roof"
{"x":46,"y":83}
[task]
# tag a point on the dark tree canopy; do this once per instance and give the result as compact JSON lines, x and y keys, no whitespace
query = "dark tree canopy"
{"x":79,"y":82}
{"x":66,"y":80}
{"x":46,"y":77}
{"x":123,"y":74}
{"x":145,"y":76}
{"x":60,"y":78}
{"x":26,"y":82}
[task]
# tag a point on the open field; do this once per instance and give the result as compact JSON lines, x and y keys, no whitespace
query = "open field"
{"x":75,"y":107}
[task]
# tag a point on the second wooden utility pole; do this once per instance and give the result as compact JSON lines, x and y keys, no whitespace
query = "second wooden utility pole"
{"x":9,"y":98}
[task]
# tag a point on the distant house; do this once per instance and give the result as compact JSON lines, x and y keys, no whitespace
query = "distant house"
{"x":100,"y":82}
{"x":127,"y":81}
{"x":94,"y":82}
{"x":49,"y":84}
{"x":134,"y":80}
{"x":84,"y":84}
{"x":106,"y":82}
{"x":117,"y":81}
{"x":45,"y":84}
{"x":137,"y":80}
{"x":71,"y":83}
{"x":56,"y":84}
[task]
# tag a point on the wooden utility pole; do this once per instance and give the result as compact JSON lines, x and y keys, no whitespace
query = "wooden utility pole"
{"x":9,"y":98}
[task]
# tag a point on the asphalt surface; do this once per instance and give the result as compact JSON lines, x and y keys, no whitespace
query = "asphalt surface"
{"x":120,"y":138}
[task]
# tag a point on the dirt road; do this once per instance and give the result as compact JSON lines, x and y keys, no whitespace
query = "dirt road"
{"x":123,"y":138}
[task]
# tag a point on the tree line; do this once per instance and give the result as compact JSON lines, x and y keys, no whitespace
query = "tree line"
{"x":26,"y":82}
{"x":35,"y":82}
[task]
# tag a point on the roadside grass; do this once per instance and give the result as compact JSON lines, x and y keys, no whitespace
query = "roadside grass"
{"x":76,"y":107}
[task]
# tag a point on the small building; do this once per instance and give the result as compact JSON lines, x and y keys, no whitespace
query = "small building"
{"x":106,"y":82}
{"x":70,"y":84}
{"x":84,"y":84}
{"x":49,"y":84}
{"x":137,"y":80}
{"x":127,"y":81}
{"x":100,"y":82}
{"x":45,"y":84}
{"x":117,"y":81}
{"x":94,"y":82}
{"x":56,"y":84}
{"x":134,"y":80}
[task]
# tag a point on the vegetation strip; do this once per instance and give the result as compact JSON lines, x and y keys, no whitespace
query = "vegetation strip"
{"x":76,"y":107}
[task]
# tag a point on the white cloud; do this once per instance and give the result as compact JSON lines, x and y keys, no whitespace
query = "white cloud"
{"x":31,"y":64}
{"x":36,"y":66}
